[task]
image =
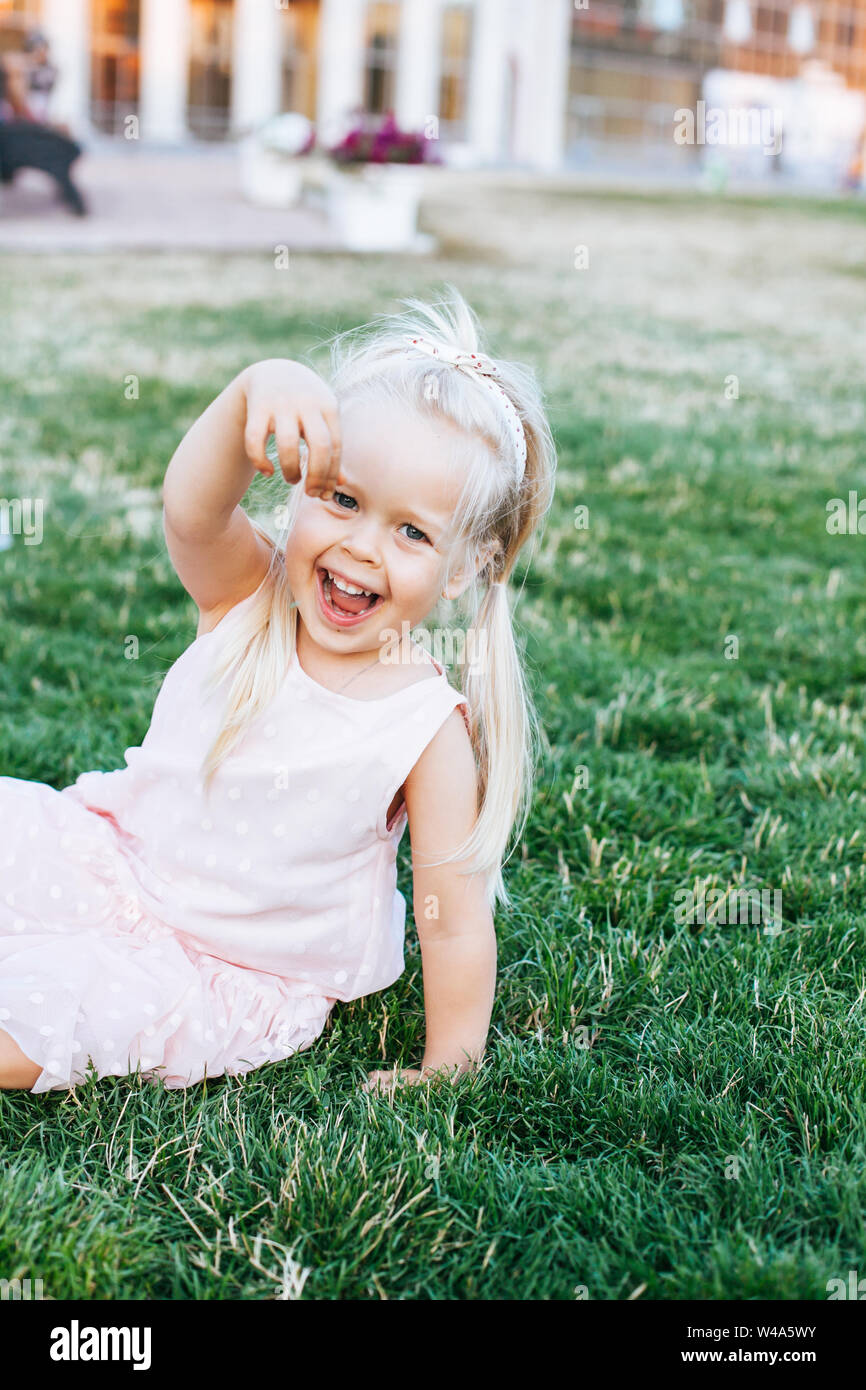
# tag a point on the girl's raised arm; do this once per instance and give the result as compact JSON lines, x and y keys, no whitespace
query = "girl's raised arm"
{"x":216,"y":552}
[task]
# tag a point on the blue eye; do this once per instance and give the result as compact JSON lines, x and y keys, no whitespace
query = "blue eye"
{"x":343,"y":499}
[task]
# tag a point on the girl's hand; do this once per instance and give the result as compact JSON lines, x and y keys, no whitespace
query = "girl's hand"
{"x":290,"y":401}
{"x":388,"y":1080}
{"x":408,"y":1076}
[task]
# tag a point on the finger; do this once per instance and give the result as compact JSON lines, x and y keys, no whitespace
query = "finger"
{"x":331,"y":417}
{"x":256,"y":434}
{"x":321,"y":476}
{"x":288,"y":447}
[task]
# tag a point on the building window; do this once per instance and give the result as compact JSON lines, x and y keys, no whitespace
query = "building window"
{"x":210,"y":68}
{"x":20,"y":9}
{"x":454,"y":79}
{"x":764,"y":17}
{"x":620,"y":101}
{"x":300,"y":50}
{"x":380,"y":57}
{"x":17,"y":18}
{"x":114,"y":63}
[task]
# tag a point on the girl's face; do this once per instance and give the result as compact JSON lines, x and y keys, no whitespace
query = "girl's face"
{"x":384,"y":531}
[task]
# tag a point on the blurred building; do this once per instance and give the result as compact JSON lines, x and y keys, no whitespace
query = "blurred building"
{"x":540,"y":83}
{"x":492,"y":72}
{"x":635,"y":61}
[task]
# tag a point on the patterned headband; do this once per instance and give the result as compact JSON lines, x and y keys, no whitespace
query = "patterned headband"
{"x":485,"y":370}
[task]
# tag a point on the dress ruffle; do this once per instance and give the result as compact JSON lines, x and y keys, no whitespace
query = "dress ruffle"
{"x":88,"y":976}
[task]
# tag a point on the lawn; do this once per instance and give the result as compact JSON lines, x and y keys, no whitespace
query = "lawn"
{"x":669,"y":1109}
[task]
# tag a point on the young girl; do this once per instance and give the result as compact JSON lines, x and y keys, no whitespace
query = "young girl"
{"x":200,"y":911}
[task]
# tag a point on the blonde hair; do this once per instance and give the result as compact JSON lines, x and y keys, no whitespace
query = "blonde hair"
{"x":499,"y":508}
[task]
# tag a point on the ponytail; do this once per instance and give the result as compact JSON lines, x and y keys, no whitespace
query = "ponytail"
{"x":504,"y":732}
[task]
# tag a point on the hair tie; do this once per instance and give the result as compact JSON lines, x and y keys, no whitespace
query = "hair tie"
{"x":476,"y":364}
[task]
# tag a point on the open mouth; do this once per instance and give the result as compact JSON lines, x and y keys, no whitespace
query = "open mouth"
{"x":343,"y":603}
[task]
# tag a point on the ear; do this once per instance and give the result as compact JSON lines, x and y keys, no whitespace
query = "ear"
{"x":462,"y":578}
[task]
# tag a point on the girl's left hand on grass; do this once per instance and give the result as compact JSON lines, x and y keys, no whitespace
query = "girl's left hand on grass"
{"x":385,"y":1080}
{"x":407,"y":1076}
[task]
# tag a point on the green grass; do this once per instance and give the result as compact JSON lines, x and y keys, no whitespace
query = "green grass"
{"x":671,"y":1109}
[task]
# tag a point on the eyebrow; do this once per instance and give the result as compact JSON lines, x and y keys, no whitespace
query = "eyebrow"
{"x":432,"y":523}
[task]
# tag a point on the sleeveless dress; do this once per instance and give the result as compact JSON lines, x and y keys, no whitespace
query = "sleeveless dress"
{"x":146,"y":925}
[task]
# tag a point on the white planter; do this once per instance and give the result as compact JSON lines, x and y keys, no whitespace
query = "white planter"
{"x":375,"y":207}
{"x":269,"y":179}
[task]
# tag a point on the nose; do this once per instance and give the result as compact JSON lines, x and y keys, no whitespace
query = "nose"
{"x":362,"y":543}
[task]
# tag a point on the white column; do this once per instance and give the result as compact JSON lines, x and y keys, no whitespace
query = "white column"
{"x":165,"y":39}
{"x":341,"y":62}
{"x":256,"y":63}
{"x":543,"y":62}
{"x":487,"y":79}
{"x":418,"y":65}
{"x":518,"y":51}
{"x":67,"y":24}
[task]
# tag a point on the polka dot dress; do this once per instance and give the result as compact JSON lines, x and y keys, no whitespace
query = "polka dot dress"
{"x":147,"y":926}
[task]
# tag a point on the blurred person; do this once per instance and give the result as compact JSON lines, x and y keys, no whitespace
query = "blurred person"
{"x":41,"y":76}
{"x":28,"y":139}
{"x":6,"y":111}
{"x":14,"y":92}
{"x":27,"y":81}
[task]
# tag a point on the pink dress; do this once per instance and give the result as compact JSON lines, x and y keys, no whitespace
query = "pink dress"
{"x":146,"y":925}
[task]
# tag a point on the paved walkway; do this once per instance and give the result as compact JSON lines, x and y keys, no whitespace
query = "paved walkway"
{"x":190,"y":198}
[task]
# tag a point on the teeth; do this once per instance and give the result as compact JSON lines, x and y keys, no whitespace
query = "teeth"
{"x":347,"y":588}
